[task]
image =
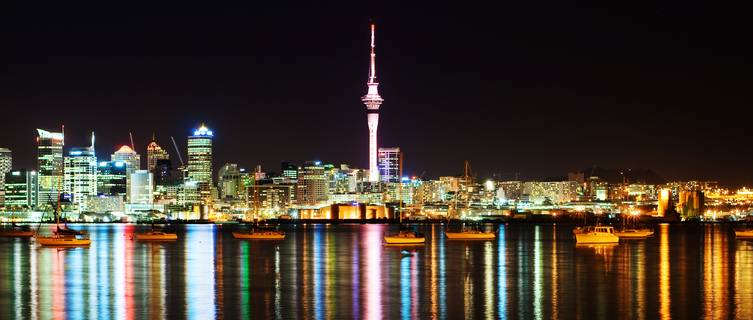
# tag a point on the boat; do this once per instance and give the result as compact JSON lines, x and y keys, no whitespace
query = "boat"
{"x":259,"y":235}
{"x":744,"y":233}
{"x":63,"y":241}
{"x":634,"y":233}
{"x":405,"y":237}
{"x":470,"y":235}
{"x":597,"y":234}
{"x":155,"y":235}
{"x":17,"y":232}
{"x":63,"y":237}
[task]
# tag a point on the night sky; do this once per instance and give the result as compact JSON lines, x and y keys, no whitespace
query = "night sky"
{"x":529,"y":87}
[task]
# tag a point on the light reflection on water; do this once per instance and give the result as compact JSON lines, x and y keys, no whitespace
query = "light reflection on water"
{"x":344,"y":271}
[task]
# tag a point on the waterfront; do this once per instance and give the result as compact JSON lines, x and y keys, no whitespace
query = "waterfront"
{"x":344,"y":271}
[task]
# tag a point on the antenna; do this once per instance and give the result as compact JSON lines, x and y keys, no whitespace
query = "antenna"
{"x":372,"y":68}
{"x":177,"y":151}
{"x":132,"y":145}
{"x":92,"y":140}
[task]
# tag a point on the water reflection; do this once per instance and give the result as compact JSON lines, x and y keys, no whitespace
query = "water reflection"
{"x":664,"y":299}
{"x":324,"y":272}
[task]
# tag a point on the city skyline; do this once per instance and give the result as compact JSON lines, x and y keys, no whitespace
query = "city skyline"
{"x":526,"y":103}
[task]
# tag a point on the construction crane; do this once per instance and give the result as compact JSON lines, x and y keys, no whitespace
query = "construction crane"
{"x":177,"y":151}
{"x":133,"y":146}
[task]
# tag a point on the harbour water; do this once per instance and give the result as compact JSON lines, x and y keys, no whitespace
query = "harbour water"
{"x":344,"y":271}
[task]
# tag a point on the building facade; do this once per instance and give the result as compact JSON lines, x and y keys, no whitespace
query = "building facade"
{"x":112,"y":178}
{"x":200,"y":165}
{"x":6,"y":164}
{"x":312,"y":184}
{"x":229,"y":181}
{"x":390,"y":161}
{"x":21,"y":189}
{"x":80,"y":178}
{"x":142,"y":187}
{"x":49,"y":166}
{"x":154,"y":153}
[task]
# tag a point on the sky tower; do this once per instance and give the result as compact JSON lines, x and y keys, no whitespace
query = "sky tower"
{"x":372,"y":100}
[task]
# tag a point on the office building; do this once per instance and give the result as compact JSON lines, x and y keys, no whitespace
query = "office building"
{"x":163,"y":173}
{"x":200,"y":164}
{"x":142,"y":187}
{"x":390,"y":162}
{"x":312,"y":184}
{"x":21,"y":189}
{"x":49,"y":166}
{"x":6,"y":164}
{"x":229,"y":182}
{"x":154,"y":153}
{"x":80,"y":177}
{"x":200,"y":155}
{"x":112,"y":178}
{"x":289,"y":170}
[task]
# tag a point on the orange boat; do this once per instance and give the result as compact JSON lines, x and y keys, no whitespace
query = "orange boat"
{"x":156,"y":236}
{"x":405,"y":237}
{"x":17,"y":232}
{"x":259,"y":235}
{"x":63,"y":241}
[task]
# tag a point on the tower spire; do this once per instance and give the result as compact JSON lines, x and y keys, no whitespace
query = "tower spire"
{"x":372,"y":66}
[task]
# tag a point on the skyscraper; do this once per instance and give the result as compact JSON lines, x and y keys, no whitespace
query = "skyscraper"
{"x":200,"y":165}
{"x":6,"y":163}
{"x":130,"y":157}
{"x":289,"y":170}
{"x":228,"y":181}
{"x":141,"y":187}
{"x":50,"y":165}
{"x":111,"y":178}
{"x":20,"y":189}
{"x":312,"y":184}
{"x":153,"y":153}
{"x":80,"y":178}
{"x":390,"y":163}
{"x":372,"y":100}
{"x":133,"y":162}
{"x":200,"y":155}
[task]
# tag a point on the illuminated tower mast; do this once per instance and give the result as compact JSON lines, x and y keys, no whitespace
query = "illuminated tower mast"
{"x":372,"y":100}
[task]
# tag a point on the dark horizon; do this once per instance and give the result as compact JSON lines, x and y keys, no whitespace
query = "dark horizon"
{"x":538,"y":89}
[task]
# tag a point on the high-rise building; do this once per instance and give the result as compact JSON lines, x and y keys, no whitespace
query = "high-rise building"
{"x":112,"y":178}
{"x":200,"y":166}
{"x":228,"y":181}
{"x":21,"y":189}
{"x":6,"y":163}
{"x":373,"y":101}
{"x":312,"y":184}
{"x":50,"y":166}
{"x":80,"y":178}
{"x":133,"y":162}
{"x":200,"y":155}
{"x":154,"y":153}
{"x":163,"y":172}
{"x":390,"y":164}
{"x":130,"y":157}
{"x":289,"y":170}
{"x":141,"y":187}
